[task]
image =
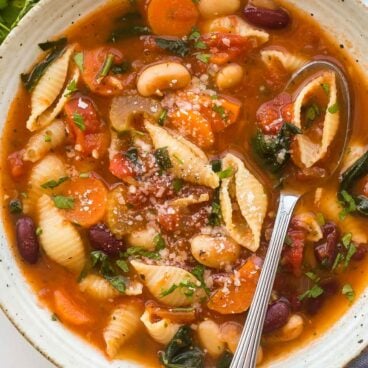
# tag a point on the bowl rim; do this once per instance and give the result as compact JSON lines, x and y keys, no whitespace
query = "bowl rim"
{"x":13,"y":35}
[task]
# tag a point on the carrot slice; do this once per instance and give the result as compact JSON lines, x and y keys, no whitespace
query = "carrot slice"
{"x":193,"y":125}
{"x":90,"y":197}
{"x":69,"y":311}
{"x":237,"y":299}
{"x":172,"y":17}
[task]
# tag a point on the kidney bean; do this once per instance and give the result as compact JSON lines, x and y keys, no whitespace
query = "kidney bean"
{"x":331,"y":286}
{"x":326,"y":249}
{"x":277,"y":315}
{"x":27,"y":240}
{"x":360,"y":253}
{"x":313,"y":305}
{"x":101,"y":238}
{"x":267,"y":18}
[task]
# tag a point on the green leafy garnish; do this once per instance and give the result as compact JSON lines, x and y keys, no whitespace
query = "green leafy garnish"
{"x":162,"y":118}
{"x":71,"y":88}
{"x":333,"y":109}
{"x":64,"y":203}
{"x":227,"y":173}
{"x":349,"y":292}
{"x":198,"y":272}
{"x":188,"y":288}
{"x":159,"y":242}
{"x":177,"y":185}
{"x":52,"y":184}
{"x":47,"y":138}
{"x":177,"y":47}
{"x":312,"y":276}
{"x":214,"y":218}
{"x":57,"y":49}
{"x":314,"y":292}
{"x":123,"y":265}
{"x":181,"y":352}
{"x":141,"y":252}
{"x":195,"y":36}
{"x":274,"y":151}
{"x":326,"y":88}
{"x":350,"y":202}
{"x":118,"y":282}
{"x":204,"y":58}
{"x":105,"y":70}
{"x":163,"y":159}
{"x":320,"y":219}
{"x":312,"y":113}
{"x":79,"y":60}
{"x":221,"y":111}
{"x":79,"y":121}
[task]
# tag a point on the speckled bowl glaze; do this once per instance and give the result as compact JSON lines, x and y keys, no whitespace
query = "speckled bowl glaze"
{"x":345,"y":20}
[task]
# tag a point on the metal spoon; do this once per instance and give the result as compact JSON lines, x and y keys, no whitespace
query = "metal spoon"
{"x":246,"y":353}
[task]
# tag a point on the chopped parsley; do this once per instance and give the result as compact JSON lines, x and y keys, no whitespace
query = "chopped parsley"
{"x":320,"y":219}
{"x":221,"y":111}
{"x":159,"y":242}
{"x":39,"y":231}
{"x":312,"y":113}
{"x":349,"y":292}
{"x":162,"y":118}
{"x":141,"y":252}
{"x":177,"y":47}
{"x":52,"y":184}
{"x":163,"y":159}
{"x":326,"y":88}
{"x":204,"y":58}
{"x":177,"y":185}
{"x":47,"y":138}
{"x":312,"y":293}
{"x":187,"y":287}
{"x":64,"y":203}
{"x":118,"y":282}
{"x":108,"y":63}
{"x":123,"y":265}
{"x":198,"y":272}
{"x":79,"y":121}
{"x":195,"y":36}
{"x":348,"y":203}
{"x":333,"y":109}
{"x":71,"y":88}
{"x":227,"y":173}
{"x":312,"y":276}
{"x":79,"y":60}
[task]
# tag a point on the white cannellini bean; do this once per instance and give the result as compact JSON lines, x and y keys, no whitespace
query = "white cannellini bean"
{"x":215,"y":252}
{"x":142,"y":238}
{"x":209,"y":338}
{"x":160,"y":77}
{"x":291,"y":331}
{"x":229,"y":76}
{"x":215,"y":8}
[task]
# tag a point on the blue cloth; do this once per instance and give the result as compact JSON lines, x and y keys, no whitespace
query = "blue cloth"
{"x":361,"y":361}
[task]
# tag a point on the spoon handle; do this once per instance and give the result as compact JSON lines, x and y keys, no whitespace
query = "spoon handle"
{"x":246,"y":353}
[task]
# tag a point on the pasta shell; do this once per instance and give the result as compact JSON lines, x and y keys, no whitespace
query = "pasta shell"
{"x":353,"y":154}
{"x":49,"y":115}
{"x":250,"y":196}
{"x":187,"y":163}
{"x":209,"y":335}
{"x":308,"y":221}
{"x":59,"y":239}
{"x":236,"y":25}
{"x":330,"y":207}
{"x":162,"y":331}
{"x":50,"y":168}
{"x":143,"y":238}
{"x":98,"y":288}
{"x":161,"y":279}
{"x":44,"y":141}
{"x":290,"y":62}
{"x":188,"y":201}
{"x":134,"y":288}
{"x":123,"y":324}
{"x":48,"y":88}
{"x":310,"y":152}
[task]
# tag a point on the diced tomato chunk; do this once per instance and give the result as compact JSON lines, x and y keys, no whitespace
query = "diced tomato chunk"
{"x":293,"y":251}
{"x":94,"y":61}
{"x":16,"y":164}
{"x":169,"y":221}
{"x":121,"y":167}
{"x":273,"y":114}
{"x":89,"y":131}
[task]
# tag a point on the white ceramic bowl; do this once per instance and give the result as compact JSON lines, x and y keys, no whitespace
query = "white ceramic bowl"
{"x":346,"y":21}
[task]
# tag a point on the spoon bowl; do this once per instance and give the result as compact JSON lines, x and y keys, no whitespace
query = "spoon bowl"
{"x":246,"y":353}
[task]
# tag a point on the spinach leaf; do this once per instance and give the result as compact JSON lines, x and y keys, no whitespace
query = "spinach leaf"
{"x":177,"y":47}
{"x":56,"y":50}
{"x":274,"y":151}
{"x":180,"y":353}
{"x":347,"y":181}
{"x":225,"y":360}
{"x":132,"y":25}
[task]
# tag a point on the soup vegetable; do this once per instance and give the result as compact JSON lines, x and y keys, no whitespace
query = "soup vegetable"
{"x":145,"y":152}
